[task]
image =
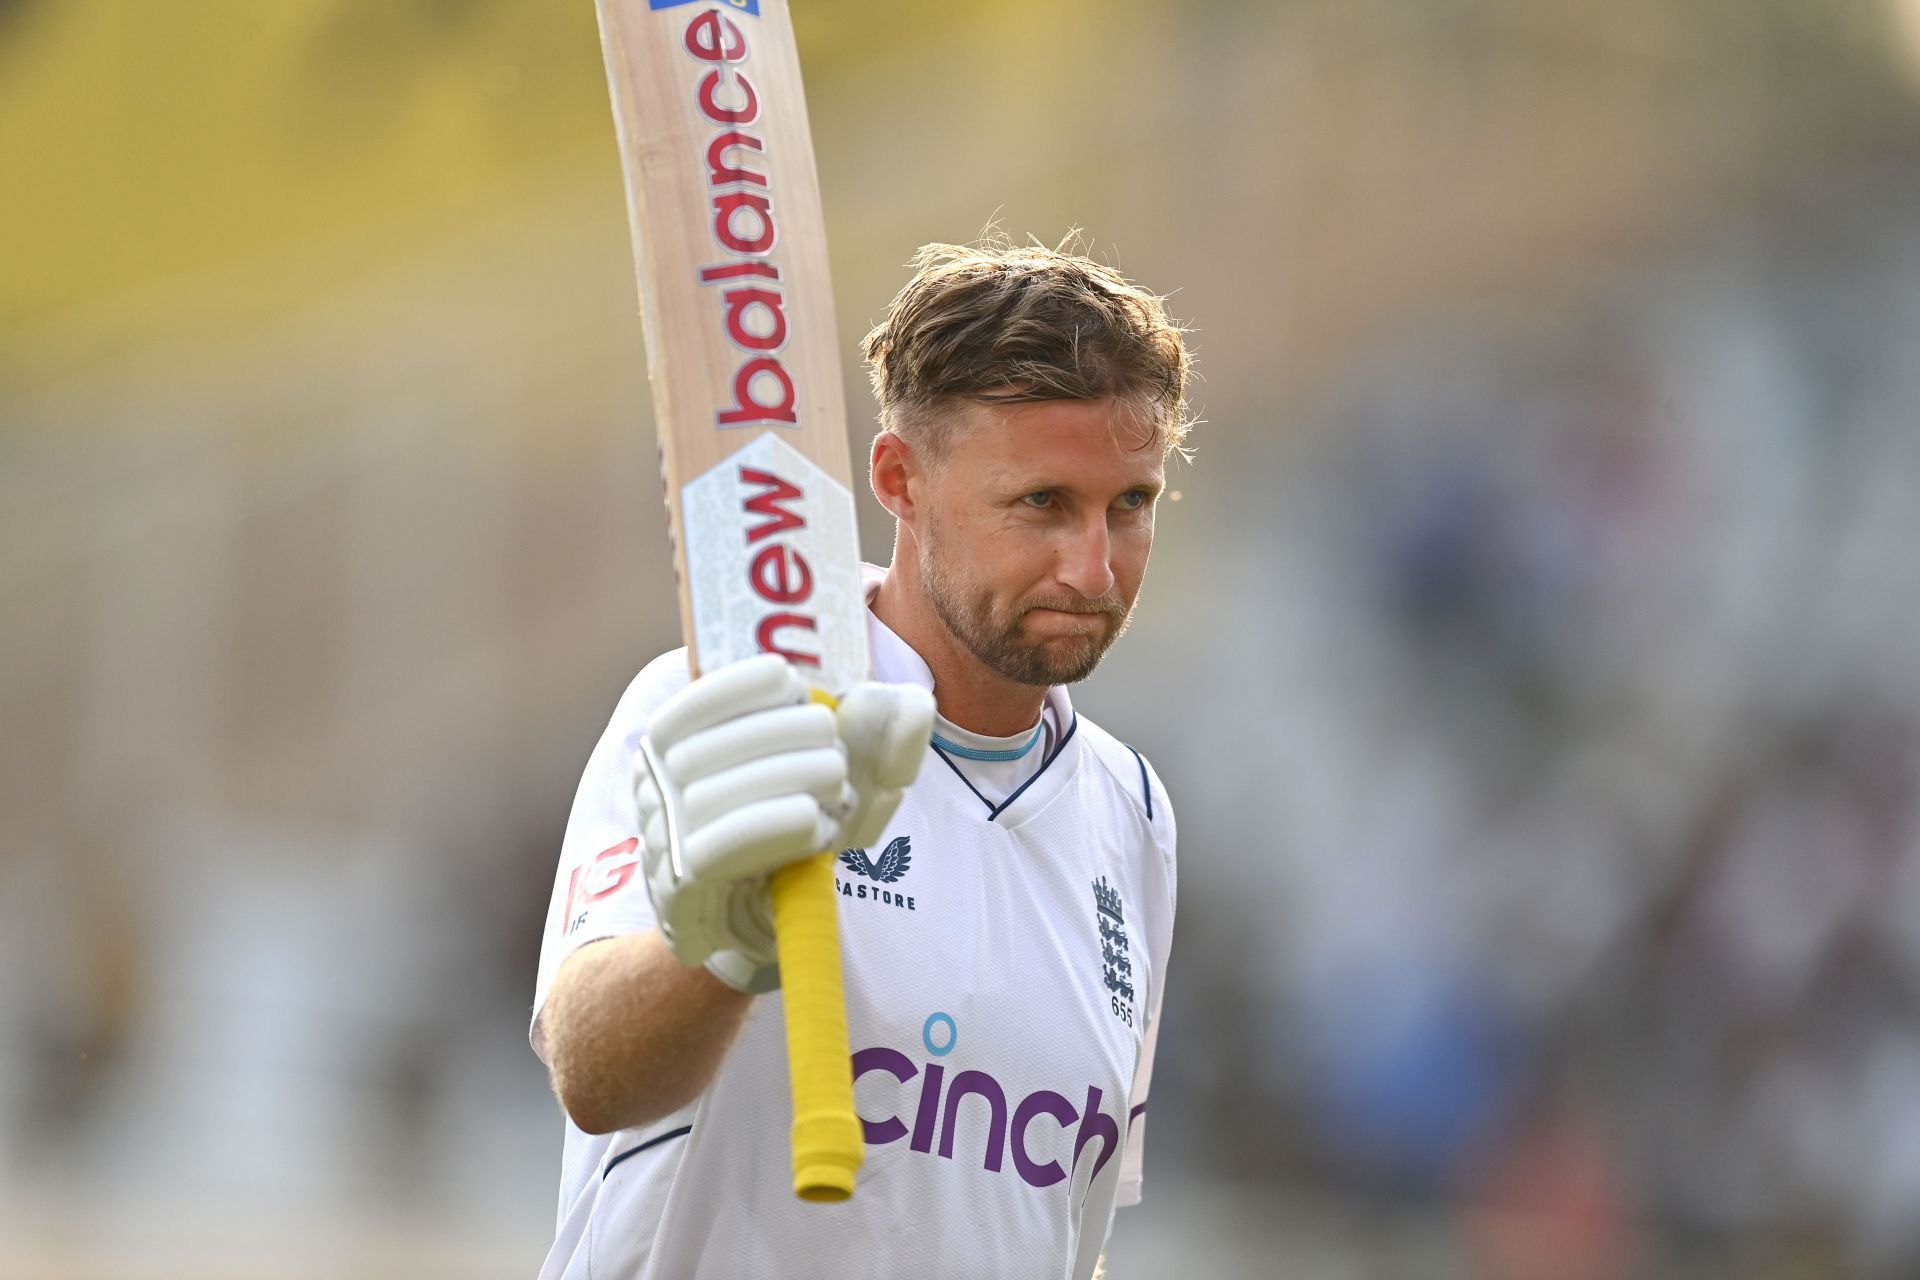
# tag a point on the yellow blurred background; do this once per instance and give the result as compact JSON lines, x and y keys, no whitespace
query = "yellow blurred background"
{"x":1543,"y":576}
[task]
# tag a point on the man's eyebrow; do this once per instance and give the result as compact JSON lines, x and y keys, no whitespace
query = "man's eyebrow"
{"x":1155,"y":485}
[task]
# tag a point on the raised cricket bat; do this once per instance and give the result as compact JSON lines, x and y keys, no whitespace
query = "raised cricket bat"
{"x":731,"y":253}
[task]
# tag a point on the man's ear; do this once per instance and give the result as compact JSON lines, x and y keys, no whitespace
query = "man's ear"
{"x":894,"y":471}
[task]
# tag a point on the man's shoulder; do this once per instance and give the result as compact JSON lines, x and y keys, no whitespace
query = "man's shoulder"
{"x":659,"y":680}
{"x":1130,"y":771}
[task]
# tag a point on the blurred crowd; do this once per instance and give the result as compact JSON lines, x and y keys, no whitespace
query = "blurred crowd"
{"x":1528,"y":652}
{"x":1586,"y":748}
{"x":1544,"y":730}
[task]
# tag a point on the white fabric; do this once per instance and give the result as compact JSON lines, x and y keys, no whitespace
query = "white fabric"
{"x":995,"y":780}
{"x":980,"y":1014}
{"x":885,"y":728}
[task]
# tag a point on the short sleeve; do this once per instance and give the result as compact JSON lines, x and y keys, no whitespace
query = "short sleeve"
{"x":1160,"y":940}
{"x":599,"y":889}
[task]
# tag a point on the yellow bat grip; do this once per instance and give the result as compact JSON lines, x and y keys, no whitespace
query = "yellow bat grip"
{"x":827,"y":1143}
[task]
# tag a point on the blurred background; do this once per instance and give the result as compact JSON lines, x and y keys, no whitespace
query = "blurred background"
{"x":1529,"y":652}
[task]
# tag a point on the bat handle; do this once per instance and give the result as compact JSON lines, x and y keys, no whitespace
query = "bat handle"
{"x":828,"y":1145}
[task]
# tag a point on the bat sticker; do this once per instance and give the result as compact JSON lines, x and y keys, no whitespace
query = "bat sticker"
{"x":738,"y":6}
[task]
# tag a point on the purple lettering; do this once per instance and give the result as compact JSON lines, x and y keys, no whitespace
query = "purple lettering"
{"x":1045,"y":1102}
{"x":937,"y":1114}
{"x":901,"y":1068}
{"x":977,"y":1082}
{"x":929,"y":1106}
{"x":1094,"y":1125}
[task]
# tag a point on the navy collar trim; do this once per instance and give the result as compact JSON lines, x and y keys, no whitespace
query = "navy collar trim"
{"x":995,"y":810}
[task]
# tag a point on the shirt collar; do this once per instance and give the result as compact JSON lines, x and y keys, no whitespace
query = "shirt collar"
{"x":894,"y":660}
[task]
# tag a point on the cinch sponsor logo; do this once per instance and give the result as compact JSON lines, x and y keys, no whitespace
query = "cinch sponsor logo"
{"x":752,"y":300}
{"x":1033,"y":1132}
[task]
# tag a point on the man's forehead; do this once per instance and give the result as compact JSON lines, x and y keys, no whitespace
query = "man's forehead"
{"x":1030,"y":432}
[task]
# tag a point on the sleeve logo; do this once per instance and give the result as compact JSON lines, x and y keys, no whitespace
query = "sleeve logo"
{"x":610,"y":871}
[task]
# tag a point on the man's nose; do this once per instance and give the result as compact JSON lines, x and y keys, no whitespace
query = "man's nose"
{"x":1086,"y":562}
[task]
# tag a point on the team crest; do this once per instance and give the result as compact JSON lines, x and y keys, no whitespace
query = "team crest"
{"x":893,"y":862}
{"x":1117,"y":972}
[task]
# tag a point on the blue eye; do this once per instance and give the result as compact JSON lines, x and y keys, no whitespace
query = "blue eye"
{"x":1042,"y":499}
{"x":1133,"y":500}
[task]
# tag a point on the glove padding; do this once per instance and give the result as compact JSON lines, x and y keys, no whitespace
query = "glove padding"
{"x":741,"y":774}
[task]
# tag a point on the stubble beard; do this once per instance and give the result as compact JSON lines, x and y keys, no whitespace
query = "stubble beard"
{"x":997,"y":643}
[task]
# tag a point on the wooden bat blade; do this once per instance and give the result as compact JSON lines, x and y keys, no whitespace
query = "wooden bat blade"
{"x":730,"y":252}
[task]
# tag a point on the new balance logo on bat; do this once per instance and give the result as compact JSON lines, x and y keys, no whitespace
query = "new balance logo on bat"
{"x":741,"y":190}
{"x":778,"y":572}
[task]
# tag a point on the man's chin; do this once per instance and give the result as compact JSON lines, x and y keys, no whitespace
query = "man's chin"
{"x":1060,"y":660}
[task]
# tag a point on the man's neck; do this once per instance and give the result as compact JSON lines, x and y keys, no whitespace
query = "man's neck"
{"x":965,"y":691}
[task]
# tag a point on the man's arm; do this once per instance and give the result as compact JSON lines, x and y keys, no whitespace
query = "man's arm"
{"x":633,"y":1034}
{"x":738,"y":775}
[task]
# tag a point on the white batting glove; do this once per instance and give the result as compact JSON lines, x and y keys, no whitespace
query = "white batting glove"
{"x":741,"y":774}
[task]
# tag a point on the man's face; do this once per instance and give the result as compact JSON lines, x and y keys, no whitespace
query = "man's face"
{"x":1036,"y":530}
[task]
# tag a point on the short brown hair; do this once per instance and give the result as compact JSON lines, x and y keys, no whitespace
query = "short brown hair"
{"x":999,"y":323}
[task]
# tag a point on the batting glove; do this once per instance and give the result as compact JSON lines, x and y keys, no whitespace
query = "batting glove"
{"x":741,"y":774}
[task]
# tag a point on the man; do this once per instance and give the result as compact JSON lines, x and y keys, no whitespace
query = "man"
{"x":1005,"y":919}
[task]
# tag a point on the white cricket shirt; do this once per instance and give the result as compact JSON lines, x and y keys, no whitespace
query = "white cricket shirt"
{"x":1004,"y":962}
